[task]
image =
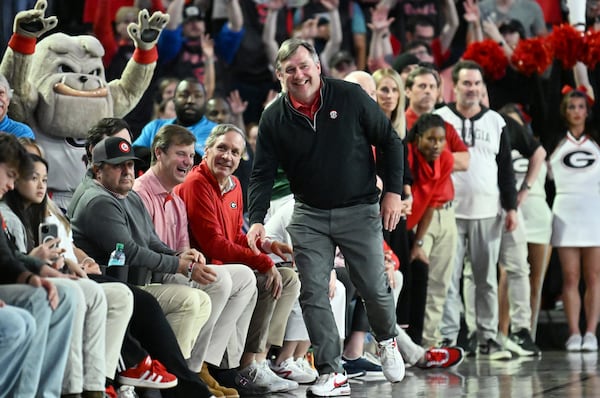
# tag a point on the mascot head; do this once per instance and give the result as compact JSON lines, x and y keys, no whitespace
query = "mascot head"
{"x":68,"y":74}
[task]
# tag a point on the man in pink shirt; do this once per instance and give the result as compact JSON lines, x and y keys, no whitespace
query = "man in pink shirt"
{"x":233,"y":291}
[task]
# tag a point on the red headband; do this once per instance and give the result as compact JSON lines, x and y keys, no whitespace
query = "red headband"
{"x":567,"y":89}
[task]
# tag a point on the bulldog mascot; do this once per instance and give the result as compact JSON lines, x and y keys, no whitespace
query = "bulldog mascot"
{"x":60,"y":89}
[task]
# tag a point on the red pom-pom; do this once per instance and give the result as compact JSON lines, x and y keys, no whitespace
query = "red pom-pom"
{"x":592,"y":48}
{"x":490,"y":56}
{"x":532,"y":56}
{"x":567,"y":45}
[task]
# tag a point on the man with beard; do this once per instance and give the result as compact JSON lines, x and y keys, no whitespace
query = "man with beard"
{"x":190,"y":107}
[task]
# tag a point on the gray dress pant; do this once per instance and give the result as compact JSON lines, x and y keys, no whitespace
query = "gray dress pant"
{"x":357,"y":230}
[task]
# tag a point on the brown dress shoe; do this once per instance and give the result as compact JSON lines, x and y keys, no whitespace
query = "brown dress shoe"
{"x":214,"y":385}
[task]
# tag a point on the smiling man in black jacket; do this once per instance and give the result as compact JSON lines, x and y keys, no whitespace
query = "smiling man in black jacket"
{"x":322,"y":132}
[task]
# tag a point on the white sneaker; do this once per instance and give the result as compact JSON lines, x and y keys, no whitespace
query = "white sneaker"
{"x":303,"y":364}
{"x":510,"y":345}
{"x":573,"y":344}
{"x":127,"y":392}
{"x":330,"y":385}
{"x":262,"y":376}
{"x":391,"y":360}
{"x":590,"y":342}
{"x":290,"y":370}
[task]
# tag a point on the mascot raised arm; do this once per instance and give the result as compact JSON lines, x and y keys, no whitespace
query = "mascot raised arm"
{"x":60,"y":89}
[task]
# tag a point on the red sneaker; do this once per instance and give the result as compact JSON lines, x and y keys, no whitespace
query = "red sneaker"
{"x":148,"y":373}
{"x":444,"y":357}
{"x":110,"y":392}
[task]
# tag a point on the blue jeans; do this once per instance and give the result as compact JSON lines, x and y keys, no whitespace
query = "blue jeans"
{"x":44,"y":365}
{"x":17,"y":328}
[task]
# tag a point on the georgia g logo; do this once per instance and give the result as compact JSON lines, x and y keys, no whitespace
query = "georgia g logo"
{"x":579,"y":159}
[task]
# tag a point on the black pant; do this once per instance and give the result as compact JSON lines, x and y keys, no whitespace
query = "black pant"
{"x":356,"y":314}
{"x":149,"y":333}
{"x":410,"y":308}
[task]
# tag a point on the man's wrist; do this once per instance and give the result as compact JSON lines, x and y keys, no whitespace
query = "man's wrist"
{"x":266,"y":245}
{"x":190,"y":269}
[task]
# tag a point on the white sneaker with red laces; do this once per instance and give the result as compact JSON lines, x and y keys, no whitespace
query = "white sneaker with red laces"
{"x":290,"y":370}
{"x":392,"y":363}
{"x":331,"y":385}
{"x":261,"y":375}
{"x":148,"y":373}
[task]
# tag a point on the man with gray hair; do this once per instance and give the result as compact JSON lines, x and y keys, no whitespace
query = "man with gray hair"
{"x":213,"y":199}
{"x":21,"y":130}
{"x":232,"y":293}
{"x":325,"y":151}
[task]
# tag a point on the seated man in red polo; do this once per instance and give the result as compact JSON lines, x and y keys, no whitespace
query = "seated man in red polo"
{"x":213,"y":199}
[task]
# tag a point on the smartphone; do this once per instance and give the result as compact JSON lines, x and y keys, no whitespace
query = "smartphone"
{"x":47,"y":231}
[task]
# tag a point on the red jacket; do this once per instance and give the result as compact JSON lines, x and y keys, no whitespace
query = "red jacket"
{"x":215,"y":220}
{"x":429,"y":182}
{"x":453,"y":144}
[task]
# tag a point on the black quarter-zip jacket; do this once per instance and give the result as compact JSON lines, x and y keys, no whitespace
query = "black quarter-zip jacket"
{"x":328,"y":160}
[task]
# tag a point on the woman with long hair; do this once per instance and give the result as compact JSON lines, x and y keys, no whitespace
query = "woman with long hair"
{"x":575,"y":164}
{"x":411,"y":304}
{"x":391,"y":98}
{"x":25,"y":208}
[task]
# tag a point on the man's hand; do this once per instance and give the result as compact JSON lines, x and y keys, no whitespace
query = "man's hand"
{"x":238,"y":106}
{"x":511,"y":220}
{"x":192,"y":255}
{"x":332,"y":280}
{"x":145,"y":33}
{"x":274,"y":282}
{"x":91,"y":267}
{"x":255,"y":233}
{"x":391,"y":210}
{"x":283,"y":250}
{"x":472,"y":13}
{"x":208,"y":46}
{"x":379,"y":20}
{"x":203,"y":274}
{"x":50,"y":289}
{"x":390,"y":265}
{"x":32,"y":23}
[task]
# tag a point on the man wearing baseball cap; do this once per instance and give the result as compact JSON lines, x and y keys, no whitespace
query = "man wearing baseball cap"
{"x":108,"y":212}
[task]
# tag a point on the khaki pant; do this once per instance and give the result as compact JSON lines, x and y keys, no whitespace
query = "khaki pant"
{"x":233,"y":297}
{"x":186,"y":309}
{"x":270,"y":316}
{"x":439,"y":244}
